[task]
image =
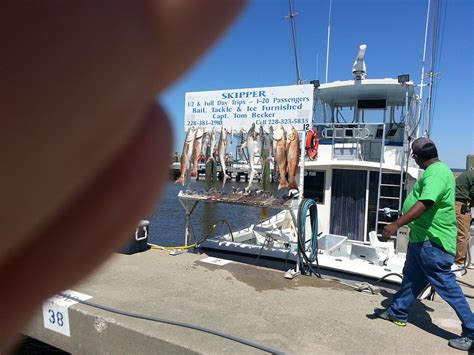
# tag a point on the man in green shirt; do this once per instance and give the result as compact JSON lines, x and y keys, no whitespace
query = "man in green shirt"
{"x":430,"y":213}
{"x":464,"y":197}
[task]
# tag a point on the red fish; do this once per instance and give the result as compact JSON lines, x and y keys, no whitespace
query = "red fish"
{"x":293,"y":157}
{"x":280,"y":138}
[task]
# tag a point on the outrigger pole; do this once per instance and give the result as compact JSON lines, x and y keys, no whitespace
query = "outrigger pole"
{"x":329,"y":37}
{"x":432,"y":67}
{"x":423,"y":69}
{"x":291,"y":16}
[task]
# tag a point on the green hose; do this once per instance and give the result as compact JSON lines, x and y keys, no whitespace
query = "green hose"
{"x":306,"y":205}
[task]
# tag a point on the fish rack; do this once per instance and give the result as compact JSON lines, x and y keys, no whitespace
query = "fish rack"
{"x":261,"y":200}
{"x":190,"y":199}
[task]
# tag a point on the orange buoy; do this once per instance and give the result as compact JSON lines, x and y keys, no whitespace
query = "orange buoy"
{"x":312,"y":144}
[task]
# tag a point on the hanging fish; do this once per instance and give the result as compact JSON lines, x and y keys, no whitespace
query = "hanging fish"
{"x":275,"y":142}
{"x":293,"y":157}
{"x":186,"y":154}
{"x":265,"y":157}
{"x":242,"y":144}
{"x":212,"y":145}
{"x":250,"y":144}
{"x":210,"y":179}
{"x":280,"y":155}
{"x":197,"y":150}
{"x":269,"y":144}
{"x":259,"y":141}
{"x":231,"y":136}
{"x":221,"y":149}
{"x":205,"y":144}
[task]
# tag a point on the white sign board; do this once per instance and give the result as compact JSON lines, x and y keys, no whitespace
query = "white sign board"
{"x":216,"y":261}
{"x":272,"y":106}
{"x":55,"y":311}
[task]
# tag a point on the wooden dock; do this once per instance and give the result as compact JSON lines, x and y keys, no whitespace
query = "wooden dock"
{"x":305,"y":315}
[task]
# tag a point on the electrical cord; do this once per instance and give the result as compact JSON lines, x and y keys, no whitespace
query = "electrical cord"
{"x":176,"y":323}
{"x":310,"y":205}
{"x":365,"y":286}
{"x":467,"y":262}
{"x":266,"y":241}
{"x":214,"y":226}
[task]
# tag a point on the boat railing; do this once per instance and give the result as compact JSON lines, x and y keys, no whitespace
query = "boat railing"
{"x":361,"y":141}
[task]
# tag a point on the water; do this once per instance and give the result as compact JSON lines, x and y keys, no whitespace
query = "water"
{"x":167,"y":221}
{"x":30,"y":346}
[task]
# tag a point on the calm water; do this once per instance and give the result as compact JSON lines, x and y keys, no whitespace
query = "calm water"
{"x":167,"y":221}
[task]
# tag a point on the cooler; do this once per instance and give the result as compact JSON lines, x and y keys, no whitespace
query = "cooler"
{"x":139,"y":242}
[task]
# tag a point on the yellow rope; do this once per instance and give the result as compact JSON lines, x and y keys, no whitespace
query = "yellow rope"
{"x":153,"y":246}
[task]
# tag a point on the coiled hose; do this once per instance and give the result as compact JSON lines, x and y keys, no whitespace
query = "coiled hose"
{"x":308,"y":205}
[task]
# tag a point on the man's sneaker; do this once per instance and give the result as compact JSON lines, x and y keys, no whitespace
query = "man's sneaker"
{"x":463,"y":343}
{"x":457,"y":270}
{"x":384,"y":314}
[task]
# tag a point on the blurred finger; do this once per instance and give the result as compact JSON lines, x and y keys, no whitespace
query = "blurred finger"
{"x":76,"y":79}
{"x":89,"y":229}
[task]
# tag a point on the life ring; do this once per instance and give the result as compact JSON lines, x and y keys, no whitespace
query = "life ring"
{"x":312,"y":144}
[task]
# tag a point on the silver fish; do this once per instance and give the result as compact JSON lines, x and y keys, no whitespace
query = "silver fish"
{"x":197,"y":150}
{"x":250,"y":144}
{"x":271,"y":144}
{"x":260,"y":141}
{"x":212,"y":145}
{"x":205,"y":143}
{"x":221,"y":148}
{"x":186,"y":154}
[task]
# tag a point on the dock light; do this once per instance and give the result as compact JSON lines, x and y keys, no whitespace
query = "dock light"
{"x":316,"y":83}
{"x":402,"y":79}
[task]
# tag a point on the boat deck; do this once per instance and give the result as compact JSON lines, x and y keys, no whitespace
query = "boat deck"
{"x":300,"y":316}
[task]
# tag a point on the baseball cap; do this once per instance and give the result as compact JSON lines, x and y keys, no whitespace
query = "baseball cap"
{"x":424,"y":148}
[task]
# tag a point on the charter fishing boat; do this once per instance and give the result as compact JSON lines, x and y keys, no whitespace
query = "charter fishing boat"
{"x":356,"y":165}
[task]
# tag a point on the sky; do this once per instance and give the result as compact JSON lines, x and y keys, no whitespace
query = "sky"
{"x":257,"y":52}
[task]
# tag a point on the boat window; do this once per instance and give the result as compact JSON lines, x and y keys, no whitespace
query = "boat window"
{"x":372,"y":207}
{"x":372,"y":104}
{"x":314,"y":185}
{"x":323,"y":112}
{"x":328,"y":133}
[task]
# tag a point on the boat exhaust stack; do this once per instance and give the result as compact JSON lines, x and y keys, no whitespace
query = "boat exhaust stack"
{"x":358,"y":69}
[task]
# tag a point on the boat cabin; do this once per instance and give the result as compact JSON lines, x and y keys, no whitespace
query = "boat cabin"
{"x":363,"y":167}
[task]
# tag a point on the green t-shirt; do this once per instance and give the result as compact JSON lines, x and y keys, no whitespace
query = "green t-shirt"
{"x":438,"y":223}
{"x":465,"y":185}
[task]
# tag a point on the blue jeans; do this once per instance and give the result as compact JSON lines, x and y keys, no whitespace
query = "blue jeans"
{"x":426,"y":262}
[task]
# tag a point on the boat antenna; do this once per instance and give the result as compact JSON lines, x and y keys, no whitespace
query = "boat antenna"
{"x":423,"y":67}
{"x":291,"y":16}
{"x":327,"y":44}
{"x":432,"y":73}
{"x":358,"y":68}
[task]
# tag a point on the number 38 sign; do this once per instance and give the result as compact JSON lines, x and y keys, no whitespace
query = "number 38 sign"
{"x":55,"y":311}
{"x":56,"y":317}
